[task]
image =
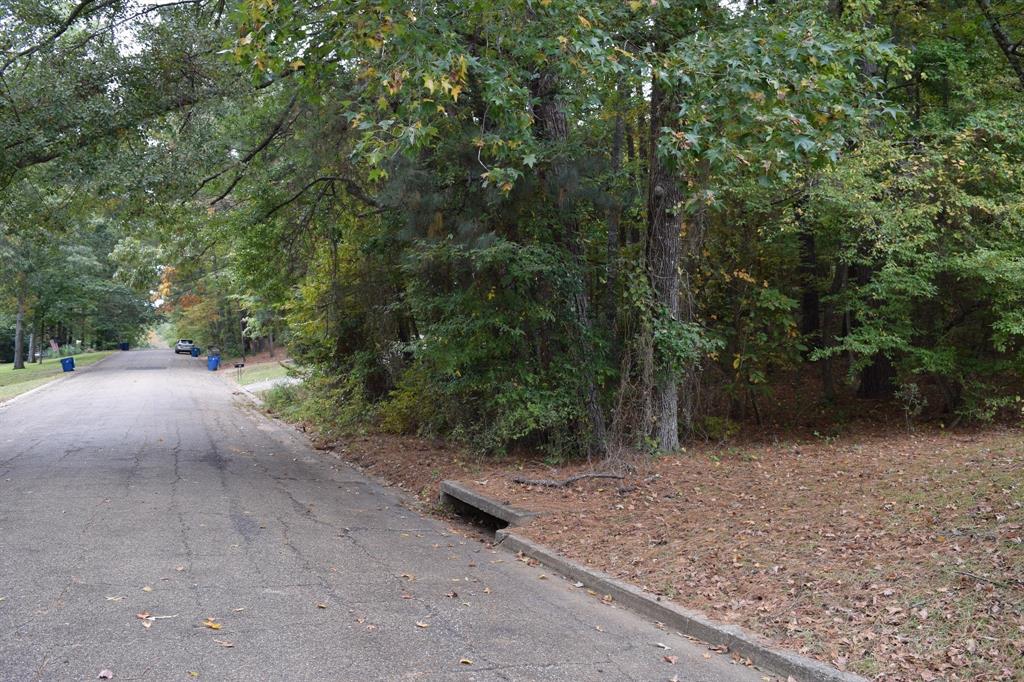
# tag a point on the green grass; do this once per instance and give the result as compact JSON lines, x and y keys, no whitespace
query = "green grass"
{"x":261,"y":372}
{"x":14,"y":382}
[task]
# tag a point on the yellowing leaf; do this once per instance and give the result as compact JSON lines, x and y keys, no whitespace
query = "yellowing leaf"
{"x":583,"y":21}
{"x":210,"y":623}
{"x":466,"y":661}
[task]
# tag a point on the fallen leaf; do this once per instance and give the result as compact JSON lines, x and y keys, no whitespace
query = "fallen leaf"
{"x":407,"y":596}
{"x":211,"y":623}
{"x":670,"y":659}
{"x":421,"y":624}
{"x":321,"y":606}
{"x":224,"y":643}
{"x":147,"y":623}
{"x":453,"y":594}
{"x":105,"y":675}
{"x":240,"y":608}
{"x":115,"y":598}
{"x":599,"y":628}
{"x":142,"y":616}
{"x":408,"y":576}
{"x":147,"y":588}
{"x":466,"y":661}
{"x":179,"y":568}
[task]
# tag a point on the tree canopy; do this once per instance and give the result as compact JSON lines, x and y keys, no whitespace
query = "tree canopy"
{"x":572,"y":226}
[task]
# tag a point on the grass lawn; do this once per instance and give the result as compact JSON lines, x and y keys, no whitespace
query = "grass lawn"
{"x":261,"y":372}
{"x":13,"y":382}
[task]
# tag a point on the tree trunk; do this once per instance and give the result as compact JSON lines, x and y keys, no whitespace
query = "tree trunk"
{"x":19,"y":333}
{"x":810,"y":317}
{"x":877,"y":380}
{"x":241,"y":332}
{"x":614,"y":219}
{"x":548,"y":110}
{"x":38,"y":346}
{"x":664,"y":226}
{"x":829,"y":333}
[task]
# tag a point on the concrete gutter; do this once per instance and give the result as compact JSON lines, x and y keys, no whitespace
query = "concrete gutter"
{"x":244,"y":391}
{"x":64,"y":376}
{"x":761,"y":652}
{"x":513,"y":516}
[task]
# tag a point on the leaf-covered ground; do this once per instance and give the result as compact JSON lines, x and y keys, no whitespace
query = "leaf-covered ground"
{"x":899,"y":556}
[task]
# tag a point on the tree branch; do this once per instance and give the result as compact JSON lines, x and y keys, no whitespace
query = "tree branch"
{"x":351,"y":187}
{"x":1003,"y":40}
{"x":548,"y":483}
{"x":82,"y":9}
{"x":279,"y":125}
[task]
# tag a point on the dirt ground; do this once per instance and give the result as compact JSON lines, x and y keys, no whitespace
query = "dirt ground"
{"x":893,"y":554}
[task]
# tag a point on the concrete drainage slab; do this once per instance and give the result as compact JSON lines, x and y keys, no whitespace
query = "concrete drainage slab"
{"x":459,"y":497}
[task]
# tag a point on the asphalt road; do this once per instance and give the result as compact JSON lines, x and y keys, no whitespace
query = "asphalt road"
{"x":143,"y":486}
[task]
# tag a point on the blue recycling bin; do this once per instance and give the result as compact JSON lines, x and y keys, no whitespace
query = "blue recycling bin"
{"x":195,"y":351}
{"x":213,"y":362}
{"x":67,"y":364}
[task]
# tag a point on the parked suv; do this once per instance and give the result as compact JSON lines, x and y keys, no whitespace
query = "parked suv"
{"x":184,"y":346}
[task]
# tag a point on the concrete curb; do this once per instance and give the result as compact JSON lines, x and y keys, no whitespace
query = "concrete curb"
{"x":56,"y":380}
{"x":739,"y":640}
{"x":252,"y":395}
{"x":242,"y":389}
{"x":453,"y":490}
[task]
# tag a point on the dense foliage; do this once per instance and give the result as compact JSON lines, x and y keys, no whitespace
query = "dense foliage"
{"x":560,"y":225}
